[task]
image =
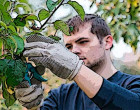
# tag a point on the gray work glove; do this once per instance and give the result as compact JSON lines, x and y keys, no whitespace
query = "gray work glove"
{"x":53,"y":55}
{"x":30,"y":96}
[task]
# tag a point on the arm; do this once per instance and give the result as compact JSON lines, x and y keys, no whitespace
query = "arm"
{"x":88,"y":81}
{"x":67,"y":65}
{"x":106,"y":94}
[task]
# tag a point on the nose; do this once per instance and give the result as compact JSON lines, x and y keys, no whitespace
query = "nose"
{"x":76,"y":50}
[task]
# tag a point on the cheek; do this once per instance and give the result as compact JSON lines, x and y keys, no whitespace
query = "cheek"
{"x":94,"y":52}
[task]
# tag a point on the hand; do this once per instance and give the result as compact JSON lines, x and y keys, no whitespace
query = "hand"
{"x":30,"y":96}
{"x":53,"y":55}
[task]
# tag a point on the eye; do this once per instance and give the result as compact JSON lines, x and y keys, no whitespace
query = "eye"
{"x":69,"y":47}
{"x":83,"y":42}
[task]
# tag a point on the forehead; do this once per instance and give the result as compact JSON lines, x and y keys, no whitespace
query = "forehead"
{"x":84,"y":31}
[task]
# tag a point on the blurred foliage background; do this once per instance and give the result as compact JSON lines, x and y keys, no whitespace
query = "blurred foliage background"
{"x":123,"y":17}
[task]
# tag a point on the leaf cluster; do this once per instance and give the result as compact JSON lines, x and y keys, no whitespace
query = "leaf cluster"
{"x":31,"y":20}
{"x":12,"y":70}
{"x":12,"y":73}
{"x":125,"y":20}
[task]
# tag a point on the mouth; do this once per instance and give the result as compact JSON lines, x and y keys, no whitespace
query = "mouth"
{"x":82,"y":58}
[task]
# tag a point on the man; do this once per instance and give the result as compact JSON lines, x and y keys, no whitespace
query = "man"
{"x":98,"y":85}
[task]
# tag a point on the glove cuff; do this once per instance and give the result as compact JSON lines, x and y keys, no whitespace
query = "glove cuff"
{"x":75,"y":72}
{"x":37,"y":107}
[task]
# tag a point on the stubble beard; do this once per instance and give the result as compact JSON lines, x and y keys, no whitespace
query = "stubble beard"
{"x":97,"y":64}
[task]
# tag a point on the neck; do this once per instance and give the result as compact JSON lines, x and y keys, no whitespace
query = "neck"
{"x":106,"y":70}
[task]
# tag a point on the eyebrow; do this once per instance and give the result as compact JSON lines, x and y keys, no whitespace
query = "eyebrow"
{"x":77,"y":40}
{"x":81,"y":39}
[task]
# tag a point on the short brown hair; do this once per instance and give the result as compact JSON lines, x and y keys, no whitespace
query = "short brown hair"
{"x":99,"y":26}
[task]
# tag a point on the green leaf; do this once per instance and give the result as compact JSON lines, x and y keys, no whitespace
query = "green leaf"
{"x":23,"y":1}
{"x":2,"y":1}
{"x":1,"y":46}
{"x":5,"y":15}
{"x":32,"y":17}
{"x":59,"y":1}
{"x":55,"y":37}
{"x":71,"y":28}
{"x":3,"y":66}
{"x":0,"y":15}
{"x":43,"y":14}
{"x":11,"y":43}
{"x":20,"y":20}
{"x":15,"y":72}
{"x":3,"y":24}
{"x":117,"y":36}
{"x":20,"y":44}
{"x":0,"y":81}
{"x":12,"y":28}
{"x":7,"y":5}
{"x":51,"y":4}
{"x":10,"y":98}
{"x":25,"y":6}
{"x":78,"y":8}
{"x":59,"y":24}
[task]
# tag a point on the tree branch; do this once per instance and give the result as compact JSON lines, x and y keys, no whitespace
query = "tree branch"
{"x":52,"y":14}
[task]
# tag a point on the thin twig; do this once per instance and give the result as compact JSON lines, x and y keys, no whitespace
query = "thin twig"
{"x":52,"y":14}
{"x":55,"y":33}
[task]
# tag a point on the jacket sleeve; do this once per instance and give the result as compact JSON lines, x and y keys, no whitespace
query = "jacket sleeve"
{"x":114,"y":97}
{"x":51,"y":101}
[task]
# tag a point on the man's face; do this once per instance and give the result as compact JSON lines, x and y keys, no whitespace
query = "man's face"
{"x":86,"y":45}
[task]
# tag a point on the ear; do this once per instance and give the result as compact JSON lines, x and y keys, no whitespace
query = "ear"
{"x":108,"y":42}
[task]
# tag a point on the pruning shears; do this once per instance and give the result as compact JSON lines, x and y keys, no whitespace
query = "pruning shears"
{"x":32,"y":72}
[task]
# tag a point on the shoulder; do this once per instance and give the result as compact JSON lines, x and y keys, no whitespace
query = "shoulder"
{"x":131,"y":81}
{"x":131,"y":78}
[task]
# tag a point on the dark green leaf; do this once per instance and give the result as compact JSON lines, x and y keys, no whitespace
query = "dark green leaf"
{"x":10,"y":98}
{"x":51,"y":5}
{"x":20,"y":20}
{"x":20,"y":44}
{"x":31,"y":33}
{"x":43,"y":14}
{"x":1,"y":46}
{"x":78,"y":8}
{"x":11,"y":43}
{"x":0,"y":81}
{"x":15,"y":72}
{"x":3,"y":65}
{"x":55,"y":37}
{"x":62,"y":26}
{"x":12,"y":23}
{"x":71,"y":28}
{"x":6,"y":56}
